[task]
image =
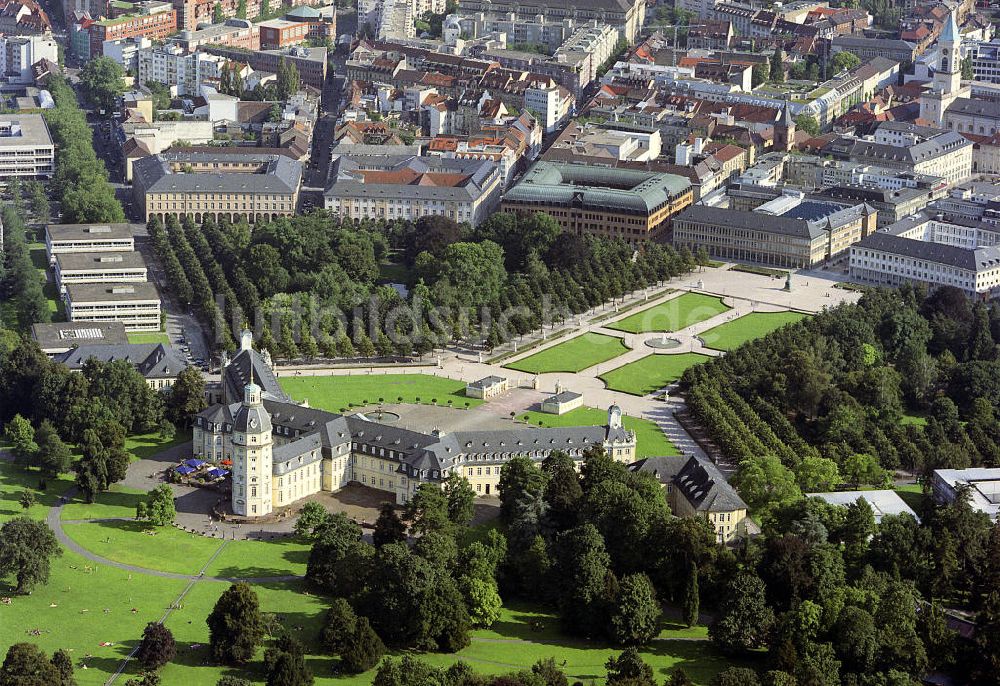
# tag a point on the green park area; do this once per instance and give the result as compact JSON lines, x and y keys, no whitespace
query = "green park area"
{"x":672,"y":315}
{"x":521,"y":637}
{"x":148,"y":337}
{"x":573,"y":355}
{"x":334,"y":393}
{"x":732,"y":335}
{"x":650,"y":440}
{"x":651,"y":373}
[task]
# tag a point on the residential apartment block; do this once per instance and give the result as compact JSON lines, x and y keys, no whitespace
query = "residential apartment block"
{"x":19,"y":53}
{"x":254,"y":186}
{"x":627,"y":16}
{"x":407,"y":187}
{"x":155,"y":20}
{"x":87,"y":238}
{"x":173,"y":66}
{"x":298,"y":26}
{"x":929,"y":249}
{"x":790,"y":231}
{"x":311,"y":62}
{"x":235,"y":33}
{"x":136,"y":305}
{"x":620,"y":203}
{"x":26,"y":148}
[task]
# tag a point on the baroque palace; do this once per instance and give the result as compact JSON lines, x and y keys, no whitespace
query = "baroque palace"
{"x":283,"y":451}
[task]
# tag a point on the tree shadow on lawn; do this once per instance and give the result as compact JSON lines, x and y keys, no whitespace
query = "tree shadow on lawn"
{"x":294,"y":557}
{"x":111,"y":498}
{"x":700,"y":660}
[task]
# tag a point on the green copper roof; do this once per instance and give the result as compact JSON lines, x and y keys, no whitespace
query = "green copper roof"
{"x":630,"y":190}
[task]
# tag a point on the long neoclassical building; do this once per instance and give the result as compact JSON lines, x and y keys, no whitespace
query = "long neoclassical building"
{"x":252,"y":186}
{"x":283,"y":451}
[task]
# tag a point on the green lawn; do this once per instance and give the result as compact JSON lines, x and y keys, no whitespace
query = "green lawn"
{"x":393,"y":272}
{"x":166,"y":548}
{"x":913,"y":495}
{"x":279,"y":557}
{"x":148,"y":337}
{"x":574,"y":355}
{"x":651,"y":373}
{"x":733,"y":334}
{"x":84,"y":605}
{"x":14,"y":481}
{"x":145,"y":446}
{"x":511,"y":643}
{"x":650,"y":440}
{"x":673,"y":315}
{"x":336,"y":392}
{"x":120,"y":501}
{"x":41,"y":261}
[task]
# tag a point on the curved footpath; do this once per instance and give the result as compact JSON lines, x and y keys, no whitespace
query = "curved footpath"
{"x":54,"y":520}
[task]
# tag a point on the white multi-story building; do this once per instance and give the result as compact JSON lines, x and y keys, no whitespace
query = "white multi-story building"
{"x":932,"y":251}
{"x":18,"y":53}
{"x":552,"y":104}
{"x":985,"y":58}
{"x":173,"y":66}
{"x":136,"y":305}
{"x":406,"y":187}
{"x":393,"y":19}
{"x":26,"y":148}
{"x":591,"y":46}
{"x":83,"y":238}
{"x":125,"y":51}
{"x":99,"y":267}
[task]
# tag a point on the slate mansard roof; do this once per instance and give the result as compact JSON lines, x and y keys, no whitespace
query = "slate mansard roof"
{"x":152,"y":360}
{"x":429,"y":453}
{"x":281,"y":175}
{"x":697,"y":479}
{"x":950,"y":255}
{"x":410,"y":177}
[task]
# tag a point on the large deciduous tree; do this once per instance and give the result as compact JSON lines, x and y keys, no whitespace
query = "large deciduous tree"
{"x":103,"y":82}
{"x":26,"y":548}
{"x":235,"y":626}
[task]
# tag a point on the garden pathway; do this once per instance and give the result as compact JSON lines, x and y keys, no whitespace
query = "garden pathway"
{"x":56,"y":524}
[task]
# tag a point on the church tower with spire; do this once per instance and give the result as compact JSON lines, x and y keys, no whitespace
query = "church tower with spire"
{"x":784,"y":130}
{"x":947,"y":83}
{"x":252,"y":459}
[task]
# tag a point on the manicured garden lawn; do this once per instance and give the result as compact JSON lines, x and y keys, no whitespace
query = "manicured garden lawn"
{"x":574,"y":355}
{"x":148,"y":337}
{"x":145,"y":446}
{"x":673,"y":315}
{"x":650,"y":373}
{"x":511,"y":644}
{"x":14,"y":481}
{"x":82,"y":606}
{"x":167,"y":549}
{"x":296,"y":608}
{"x":733,"y":334}
{"x":649,"y":438}
{"x":335,"y":392}
{"x":120,"y":501}
{"x":280,"y":557}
